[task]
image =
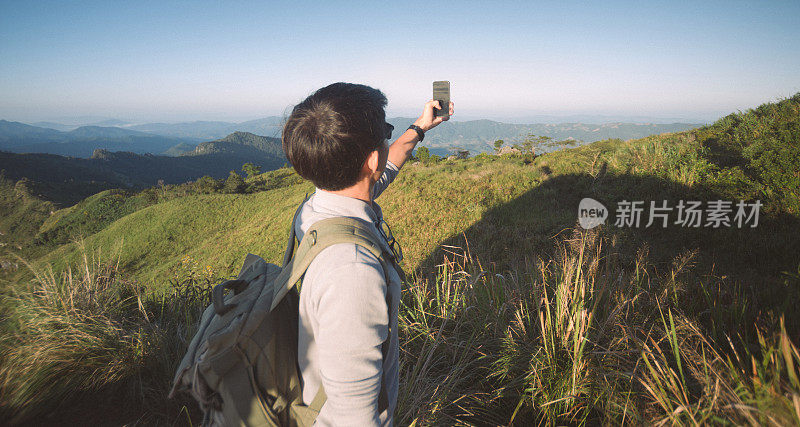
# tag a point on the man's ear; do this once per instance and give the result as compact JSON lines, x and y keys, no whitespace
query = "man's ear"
{"x":373,"y":162}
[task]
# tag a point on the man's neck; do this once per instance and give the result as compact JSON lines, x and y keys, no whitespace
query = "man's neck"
{"x":360,"y":190}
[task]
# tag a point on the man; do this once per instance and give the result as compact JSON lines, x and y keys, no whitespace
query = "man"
{"x":337,"y":139}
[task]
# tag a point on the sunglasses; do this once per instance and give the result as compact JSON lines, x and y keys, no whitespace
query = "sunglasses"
{"x":389,"y":129}
{"x":387,"y":235}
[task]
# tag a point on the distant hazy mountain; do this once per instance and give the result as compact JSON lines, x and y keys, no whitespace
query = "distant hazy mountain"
{"x":180,"y":149}
{"x":198,"y":130}
{"x":56,"y":126}
{"x":201,"y":130}
{"x":479,"y":135}
{"x":109,"y":122}
{"x":67,"y":179}
{"x":81,"y":142}
{"x":597,"y":118}
{"x":269,"y":126}
{"x":241,"y":144}
{"x":15,"y":133}
{"x":474,"y":135}
{"x":103,"y":132}
{"x":78,"y":121}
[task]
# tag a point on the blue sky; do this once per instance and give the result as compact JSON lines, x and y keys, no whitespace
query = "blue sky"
{"x":238,"y":60}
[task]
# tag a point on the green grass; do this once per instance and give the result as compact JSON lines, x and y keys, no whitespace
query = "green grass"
{"x":20,"y":214}
{"x":583,"y":338}
{"x":90,"y":336}
{"x":512,"y":314}
{"x":90,"y":215}
{"x":218,"y":229}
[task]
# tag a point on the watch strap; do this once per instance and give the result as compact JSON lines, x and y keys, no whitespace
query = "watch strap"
{"x":420,"y":132}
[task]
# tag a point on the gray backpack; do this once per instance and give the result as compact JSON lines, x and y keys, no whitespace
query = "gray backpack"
{"x":241,"y":365}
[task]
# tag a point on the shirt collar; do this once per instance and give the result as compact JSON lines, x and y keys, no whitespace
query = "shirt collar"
{"x":327,"y":202}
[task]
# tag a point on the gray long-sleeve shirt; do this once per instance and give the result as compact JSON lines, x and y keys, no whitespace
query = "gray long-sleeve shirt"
{"x":344,"y":318}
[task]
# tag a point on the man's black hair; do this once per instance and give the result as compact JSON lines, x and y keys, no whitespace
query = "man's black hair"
{"x":329,"y":135}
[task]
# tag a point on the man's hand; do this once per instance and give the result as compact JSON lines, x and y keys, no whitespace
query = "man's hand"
{"x":426,"y":121}
{"x":401,"y":149}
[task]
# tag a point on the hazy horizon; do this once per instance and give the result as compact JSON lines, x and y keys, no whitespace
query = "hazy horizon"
{"x":154,"y":62}
{"x":525,"y":119}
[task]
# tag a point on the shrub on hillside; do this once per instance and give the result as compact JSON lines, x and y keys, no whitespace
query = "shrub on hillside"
{"x":498,"y":144}
{"x":151,"y":195}
{"x":528,"y":158}
{"x":206,"y":185}
{"x":251,"y":170}
{"x":424,"y":155}
{"x":480,"y":157}
{"x":234,"y":183}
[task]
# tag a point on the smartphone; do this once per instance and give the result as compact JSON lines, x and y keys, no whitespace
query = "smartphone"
{"x":441,"y":93}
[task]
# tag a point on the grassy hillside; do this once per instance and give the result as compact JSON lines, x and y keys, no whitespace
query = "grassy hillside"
{"x":509,"y":210}
{"x":20,"y":214}
{"x":513,"y":314}
{"x":32,"y":226}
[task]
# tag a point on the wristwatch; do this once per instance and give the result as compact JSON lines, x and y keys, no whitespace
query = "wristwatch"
{"x":420,"y":132}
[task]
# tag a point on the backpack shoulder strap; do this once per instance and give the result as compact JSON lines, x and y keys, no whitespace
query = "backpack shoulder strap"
{"x":287,"y":254}
{"x":324,"y":233}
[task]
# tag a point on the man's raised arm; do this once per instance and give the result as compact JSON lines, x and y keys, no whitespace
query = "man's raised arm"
{"x":401,"y":149}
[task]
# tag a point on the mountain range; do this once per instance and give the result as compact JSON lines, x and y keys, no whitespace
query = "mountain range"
{"x":65,"y":180}
{"x":74,"y":162}
{"x":82,"y":141}
{"x":202,"y":130}
{"x":159,"y":138}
